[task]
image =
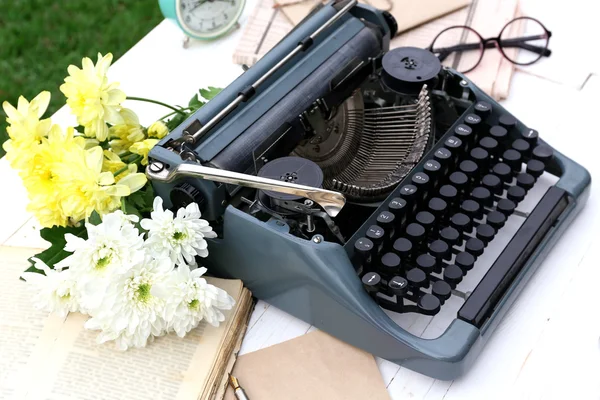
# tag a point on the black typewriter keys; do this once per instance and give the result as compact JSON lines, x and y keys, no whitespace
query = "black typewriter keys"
{"x":441,"y":290}
{"x":481,"y":158}
{"x":492,"y":183}
{"x":485,"y":233}
{"x":472,"y":119}
{"x":450,"y":235}
{"x":531,"y":136}
{"x":363,"y":248}
{"x":483,"y":196}
{"x":453,"y":275}
{"x":408,"y":192}
{"x":496,"y":219}
{"x":437,"y":207}
{"x":461,"y":223}
{"x":453,"y":143}
{"x":415,"y":233}
{"x":516,"y":194}
{"x":375,"y":234}
{"x":420,"y":180}
{"x":483,"y":108}
{"x":403,"y":247}
{"x":417,"y":278}
{"x":425,"y":219}
{"x":535,"y":168}
{"x":525,"y":180}
{"x":426,"y":263}
{"x":432,"y":168}
{"x":439,"y":249}
{"x":397,"y":206}
{"x":472,"y":209}
{"x":371,"y":281}
{"x":464,"y":261}
{"x":429,"y":304}
{"x":464,"y":133}
{"x":490,"y":145}
{"x":390,"y":262}
{"x":398,"y":285}
{"x":449,"y":194}
{"x":507,"y":121}
{"x":543,"y":153}
{"x":459,"y":180}
{"x":475,"y":247}
{"x":506,"y":207}
{"x":503,"y":171}
{"x":386,"y":220}
{"x":468,"y":167}
{"x":521,"y":146}
{"x":499,"y":133}
{"x":442,"y":155}
{"x":512,"y":158}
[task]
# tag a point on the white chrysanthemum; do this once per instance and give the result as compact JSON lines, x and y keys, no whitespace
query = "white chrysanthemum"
{"x":130,"y":314}
{"x":190,"y":299}
{"x":181,"y":236}
{"x":112,"y":246}
{"x":54,"y":292}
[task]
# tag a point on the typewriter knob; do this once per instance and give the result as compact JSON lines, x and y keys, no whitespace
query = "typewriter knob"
{"x":391,"y":22}
{"x":184,"y":194}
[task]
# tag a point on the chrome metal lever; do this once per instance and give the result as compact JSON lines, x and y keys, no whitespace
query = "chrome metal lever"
{"x":332,"y":202}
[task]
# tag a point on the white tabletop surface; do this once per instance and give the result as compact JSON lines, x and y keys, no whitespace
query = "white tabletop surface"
{"x":548,"y":345}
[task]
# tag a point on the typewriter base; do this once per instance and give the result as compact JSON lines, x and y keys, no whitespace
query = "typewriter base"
{"x":316,"y":283}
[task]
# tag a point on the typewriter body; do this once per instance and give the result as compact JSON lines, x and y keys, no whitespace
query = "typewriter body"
{"x":353,"y":186}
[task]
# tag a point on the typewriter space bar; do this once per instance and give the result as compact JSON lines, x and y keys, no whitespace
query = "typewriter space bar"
{"x":482,"y":301}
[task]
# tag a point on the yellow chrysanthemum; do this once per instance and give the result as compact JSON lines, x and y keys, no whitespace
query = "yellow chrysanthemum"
{"x":92,"y":98}
{"x":128,"y":132}
{"x":25,"y":129}
{"x":143,"y":148}
{"x":41,"y":179}
{"x":86,"y":188}
{"x":158,"y":130}
{"x":113,"y":163}
{"x":66,"y":182}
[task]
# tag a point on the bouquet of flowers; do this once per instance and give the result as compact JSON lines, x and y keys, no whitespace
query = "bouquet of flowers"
{"x":115,"y":253}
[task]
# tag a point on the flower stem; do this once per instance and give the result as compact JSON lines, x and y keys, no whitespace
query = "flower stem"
{"x":160,"y":103}
{"x":133,"y":161}
{"x":172,"y":112}
{"x":123,"y":208}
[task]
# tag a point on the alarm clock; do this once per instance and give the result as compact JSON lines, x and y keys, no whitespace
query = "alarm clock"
{"x":203,"y":19}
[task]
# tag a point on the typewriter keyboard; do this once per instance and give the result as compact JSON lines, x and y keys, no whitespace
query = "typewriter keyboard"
{"x":428,"y":238}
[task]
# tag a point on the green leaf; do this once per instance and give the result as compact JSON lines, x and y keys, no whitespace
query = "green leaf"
{"x":209,"y":92}
{"x":176,"y":121}
{"x":56,"y":252}
{"x":95,"y":218}
{"x":195,"y":102}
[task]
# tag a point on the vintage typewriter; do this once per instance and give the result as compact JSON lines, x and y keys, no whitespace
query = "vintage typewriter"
{"x":369,"y":191}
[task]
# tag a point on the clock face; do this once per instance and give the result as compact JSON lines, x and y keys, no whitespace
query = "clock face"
{"x":209,"y":18}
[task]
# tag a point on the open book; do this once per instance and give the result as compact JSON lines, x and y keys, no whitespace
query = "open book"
{"x":47,"y":357}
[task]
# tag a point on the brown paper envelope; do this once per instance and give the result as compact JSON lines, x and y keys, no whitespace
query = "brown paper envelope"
{"x":313,"y":366}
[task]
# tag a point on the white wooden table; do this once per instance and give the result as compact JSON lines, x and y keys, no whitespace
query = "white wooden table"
{"x":548,"y":345}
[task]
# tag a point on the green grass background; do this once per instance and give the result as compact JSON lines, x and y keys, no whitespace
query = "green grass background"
{"x":40,"y":38}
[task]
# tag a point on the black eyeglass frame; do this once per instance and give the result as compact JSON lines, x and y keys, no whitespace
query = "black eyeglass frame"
{"x":489,"y":43}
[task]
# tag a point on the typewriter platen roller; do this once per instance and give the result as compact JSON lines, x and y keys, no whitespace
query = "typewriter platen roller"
{"x":345,"y":179}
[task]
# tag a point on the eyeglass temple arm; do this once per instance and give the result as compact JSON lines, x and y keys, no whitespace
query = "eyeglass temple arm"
{"x":516,"y":42}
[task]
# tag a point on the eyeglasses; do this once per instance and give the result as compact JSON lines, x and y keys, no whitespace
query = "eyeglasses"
{"x":522,"y":41}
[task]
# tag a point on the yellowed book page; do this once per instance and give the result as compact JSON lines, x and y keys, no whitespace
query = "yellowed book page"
{"x":20,"y":324}
{"x":312,"y":366}
{"x":169,"y":368}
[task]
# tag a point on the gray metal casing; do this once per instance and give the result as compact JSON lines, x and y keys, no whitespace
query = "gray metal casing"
{"x":316,"y":282}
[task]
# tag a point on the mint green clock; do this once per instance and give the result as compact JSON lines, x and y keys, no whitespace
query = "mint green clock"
{"x":203,"y":19}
